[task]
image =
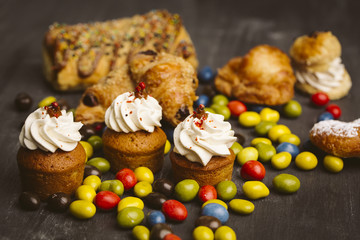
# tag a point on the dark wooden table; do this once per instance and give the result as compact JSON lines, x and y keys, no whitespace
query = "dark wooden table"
{"x":327,"y":206}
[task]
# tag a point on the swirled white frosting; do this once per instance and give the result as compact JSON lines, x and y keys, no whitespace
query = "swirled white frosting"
{"x":201,"y":139}
{"x":50,"y":133}
{"x":130,"y":114}
{"x":323,"y":81}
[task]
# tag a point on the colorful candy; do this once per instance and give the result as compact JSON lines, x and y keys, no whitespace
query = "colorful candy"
{"x":142,"y":189}
{"x":93,"y":181}
{"x":100,"y":163}
{"x":265,"y":151}
{"x":106,"y":200}
{"x":174,"y":210}
{"x":155,"y":217}
{"x":59,"y":202}
{"x":206,"y":193}
{"x":127,"y":177}
{"x":241,"y":206}
{"x":130,"y":202}
{"x":85,"y":192}
{"x":320,"y":98}
{"x":144,"y":174}
{"x":306,"y":161}
{"x":215,"y":210}
{"x":252,"y":170}
{"x":286,"y":183}
{"x":164,"y":186}
{"x":203,"y":233}
{"x":334,"y":110}
{"x":186,"y":190}
{"x":292,"y":109}
{"x":249,"y":119}
{"x":288,"y":147}
{"x":130,"y":217}
{"x":236,"y":108}
{"x":82,"y":209}
{"x":255,"y":190}
{"x":281,"y":160}
{"x":247,"y":154}
{"x":208,"y":221}
{"x":226,"y":190}
{"x":225,"y":233}
{"x":333,"y":164}
{"x":114,"y":186}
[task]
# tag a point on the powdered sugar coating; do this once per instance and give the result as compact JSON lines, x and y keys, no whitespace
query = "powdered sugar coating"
{"x":338,"y":128}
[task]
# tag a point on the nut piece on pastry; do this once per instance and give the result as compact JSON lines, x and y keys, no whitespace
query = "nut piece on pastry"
{"x":169,"y":79}
{"x":78,"y":56}
{"x":263,"y":76}
{"x":317,"y":61}
{"x":337,"y":138}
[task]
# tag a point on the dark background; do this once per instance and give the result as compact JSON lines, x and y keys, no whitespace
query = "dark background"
{"x":327,"y":206}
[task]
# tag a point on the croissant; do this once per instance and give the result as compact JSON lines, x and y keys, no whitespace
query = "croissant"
{"x":168,"y":78}
{"x":78,"y":56}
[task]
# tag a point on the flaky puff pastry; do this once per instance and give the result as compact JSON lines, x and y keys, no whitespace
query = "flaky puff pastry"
{"x":168,"y":78}
{"x":263,"y":76}
{"x":316,"y":50}
{"x":337,"y":138}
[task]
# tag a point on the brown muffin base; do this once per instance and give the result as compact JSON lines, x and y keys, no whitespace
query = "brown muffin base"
{"x":132,"y":150}
{"x":46,"y":173}
{"x":217,"y":170}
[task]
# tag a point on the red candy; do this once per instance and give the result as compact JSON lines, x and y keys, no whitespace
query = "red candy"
{"x":252,"y":170}
{"x":171,"y":236}
{"x":334,"y":110}
{"x":127,"y":177}
{"x":174,"y":210}
{"x":207,"y":192}
{"x":320,"y":98}
{"x":106,"y":200}
{"x":236,"y":108}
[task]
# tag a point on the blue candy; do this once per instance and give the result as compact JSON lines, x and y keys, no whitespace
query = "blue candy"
{"x":203,"y":99}
{"x":206,"y":75}
{"x":257,"y":108}
{"x":215,"y":210}
{"x":325,"y":116}
{"x":288,"y":147}
{"x":155,"y":217}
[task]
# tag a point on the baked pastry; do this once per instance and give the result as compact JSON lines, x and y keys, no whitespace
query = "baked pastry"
{"x":50,"y":158}
{"x":133,"y":137}
{"x":263,"y":76}
{"x":202,"y":149}
{"x":169,"y":79}
{"x":77,"y":56}
{"x":337,"y":138}
{"x":317,"y":61}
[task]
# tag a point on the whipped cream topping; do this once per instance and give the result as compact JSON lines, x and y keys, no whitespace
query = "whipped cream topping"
{"x":201,"y":139}
{"x":337,"y":128}
{"x":50,"y":133}
{"x":323,"y":81}
{"x":128,"y":113}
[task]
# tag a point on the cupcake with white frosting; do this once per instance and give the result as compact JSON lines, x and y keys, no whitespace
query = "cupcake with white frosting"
{"x":318,"y":66}
{"x":133,"y":137}
{"x":50,"y":158}
{"x":202,"y":148}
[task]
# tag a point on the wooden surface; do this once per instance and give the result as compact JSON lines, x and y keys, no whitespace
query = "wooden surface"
{"x":327,"y":206}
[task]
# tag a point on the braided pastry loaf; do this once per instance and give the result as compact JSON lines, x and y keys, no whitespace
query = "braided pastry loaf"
{"x":77,"y":56}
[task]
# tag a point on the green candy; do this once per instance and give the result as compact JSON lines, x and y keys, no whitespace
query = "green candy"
{"x":220,"y":100}
{"x":115,"y":186}
{"x":265,"y":151}
{"x":286,"y":183}
{"x":226,"y":190}
{"x":264,"y":127}
{"x":222,"y":110}
{"x":141,"y":233}
{"x":130,"y":217}
{"x":292,"y":109}
{"x":100,"y":163}
{"x":236,"y":147}
{"x":96,"y":142}
{"x":186,"y":190}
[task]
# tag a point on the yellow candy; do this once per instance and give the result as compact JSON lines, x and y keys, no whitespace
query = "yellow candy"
{"x":255,"y":190}
{"x":167,"y":147}
{"x":224,"y":233}
{"x":277,"y":131}
{"x":247,"y":154}
{"x":144,"y":174}
{"x":218,"y":201}
{"x":241,"y":206}
{"x":93,"y":181}
{"x":142,"y":189}
{"x":203,"y":233}
{"x":290,"y":138}
{"x":249,"y":119}
{"x":88,"y":149}
{"x":333,"y":164}
{"x":259,"y":140}
{"x":269,"y":115}
{"x":82,"y":209}
{"x":85,"y":192}
{"x":306,"y":161}
{"x":130,"y":202}
{"x":281,"y":160}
